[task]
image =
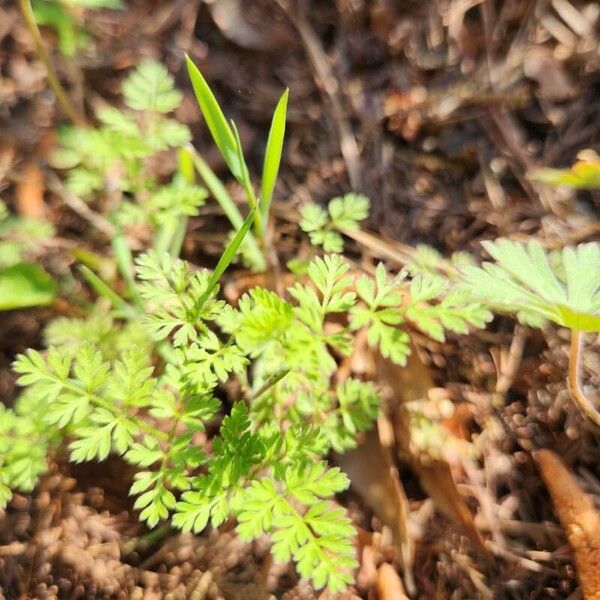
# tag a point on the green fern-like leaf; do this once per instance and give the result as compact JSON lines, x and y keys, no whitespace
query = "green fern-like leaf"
{"x":524,"y":281}
{"x":344,"y":212}
{"x":151,"y":87}
{"x":264,"y":317}
{"x":381,"y":315}
{"x":455,"y":312}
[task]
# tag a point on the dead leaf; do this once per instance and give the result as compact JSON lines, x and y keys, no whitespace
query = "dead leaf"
{"x":458,"y":422}
{"x":409,"y":384}
{"x":374,"y":477}
{"x":30,"y":192}
{"x":229,"y":16}
{"x":389,"y":585}
{"x":436,"y":479}
{"x":579,"y":517}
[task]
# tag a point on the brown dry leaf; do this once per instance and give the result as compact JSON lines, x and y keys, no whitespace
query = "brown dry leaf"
{"x":436,"y":479}
{"x":408,"y":384}
{"x":229,"y":16}
{"x":579,"y":517}
{"x":411,"y":382}
{"x":458,"y":423}
{"x":30,"y":192}
{"x":389,"y":586}
{"x":7,"y":157}
{"x":374,"y":477}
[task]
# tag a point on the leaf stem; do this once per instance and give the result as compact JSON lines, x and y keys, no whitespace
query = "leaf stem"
{"x":220,"y":194}
{"x":574,"y":378}
{"x":53,"y":80}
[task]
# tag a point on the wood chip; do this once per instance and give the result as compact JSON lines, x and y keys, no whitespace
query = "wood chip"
{"x":389,"y":585}
{"x":579,"y":517}
{"x":30,"y":192}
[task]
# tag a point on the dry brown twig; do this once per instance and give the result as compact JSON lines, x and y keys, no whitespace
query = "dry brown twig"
{"x":53,"y":80}
{"x":509,"y":363}
{"x":329,"y":84}
{"x":574,"y":379}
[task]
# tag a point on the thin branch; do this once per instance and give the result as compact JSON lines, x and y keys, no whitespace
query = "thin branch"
{"x":328,"y":83}
{"x":77,"y":205}
{"x":53,"y":80}
{"x":510,"y":366}
{"x":574,"y":379}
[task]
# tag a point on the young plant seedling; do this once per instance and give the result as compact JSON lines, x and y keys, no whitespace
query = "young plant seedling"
{"x":227,"y":140}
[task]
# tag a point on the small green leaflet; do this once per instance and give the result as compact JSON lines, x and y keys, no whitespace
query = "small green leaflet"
{"x":344,"y":213}
{"x":456,"y":311}
{"x":150,"y":87}
{"x":347,"y":211}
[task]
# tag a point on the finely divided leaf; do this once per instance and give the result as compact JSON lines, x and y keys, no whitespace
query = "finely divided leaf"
{"x":151,"y":87}
{"x":347,"y":211}
{"x":524,"y":281}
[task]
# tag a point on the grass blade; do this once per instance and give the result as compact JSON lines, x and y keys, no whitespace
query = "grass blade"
{"x":273,"y":155}
{"x":245,"y":180}
{"x":164,"y":236}
{"x":226,"y":258}
{"x":218,"y":191}
{"x":125,"y":264}
{"x":220,"y":194}
{"x":102,"y":289}
{"x":231,"y":250}
{"x":247,"y":184}
{"x":171,"y":234}
{"x":215,"y":120}
{"x":178,"y":237}
{"x":185,"y":165}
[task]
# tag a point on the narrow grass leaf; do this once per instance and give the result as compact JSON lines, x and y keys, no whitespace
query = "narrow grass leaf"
{"x":215,"y":120}
{"x":220,"y":194}
{"x":226,"y":258}
{"x":125,"y":263}
{"x":102,"y":289}
{"x":273,"y":154}
{"x":245,"y":176}
{"x":185,"y":165}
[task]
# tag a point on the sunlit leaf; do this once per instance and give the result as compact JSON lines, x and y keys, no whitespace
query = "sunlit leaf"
{"x":273,"y":154}
{"x":215,"y":120}
{"x":24,"y":285}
